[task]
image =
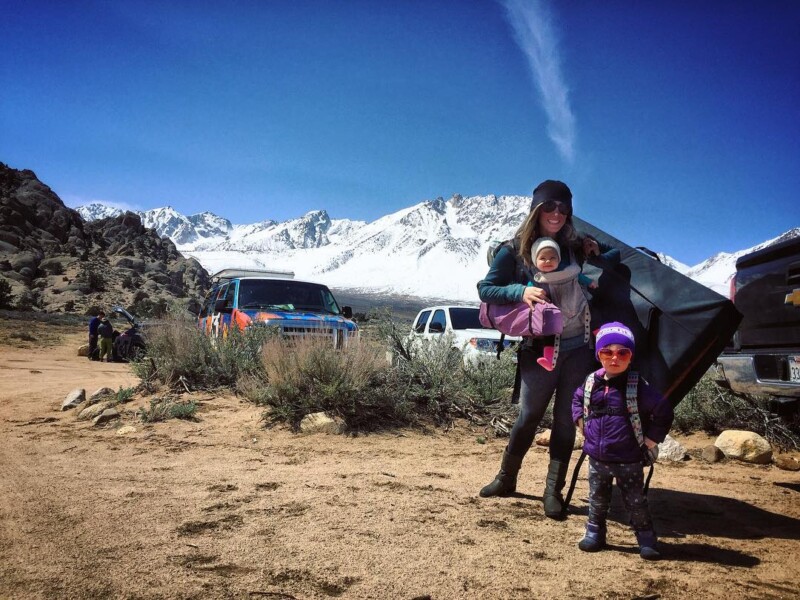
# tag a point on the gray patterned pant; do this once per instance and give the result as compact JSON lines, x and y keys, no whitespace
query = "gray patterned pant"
{"x":630,"y":481}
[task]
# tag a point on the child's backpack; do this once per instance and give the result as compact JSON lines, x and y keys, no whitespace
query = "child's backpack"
{"x":649,"y":456}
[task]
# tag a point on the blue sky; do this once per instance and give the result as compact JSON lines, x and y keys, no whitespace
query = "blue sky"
{"x":676,"y":124}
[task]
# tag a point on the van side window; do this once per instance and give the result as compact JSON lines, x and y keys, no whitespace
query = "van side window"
{"x":218,"y":296}
{"x":230,"y":295}
{"x":419,"y":326}
{"x":206,"y":309}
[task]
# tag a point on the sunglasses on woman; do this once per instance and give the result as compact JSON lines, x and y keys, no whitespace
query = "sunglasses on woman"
{"x":549,"y":206}
{"x":623,"y":353}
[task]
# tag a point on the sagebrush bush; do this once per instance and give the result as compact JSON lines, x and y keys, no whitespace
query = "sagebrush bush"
{"x":388,"y":380}
{"x":162,"y":409}
{"x":308,"y":375}
{"x":179,"y":353}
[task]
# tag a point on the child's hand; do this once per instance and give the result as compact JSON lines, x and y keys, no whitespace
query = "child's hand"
{"x":649,"y":443}
{"x":592,"y":285}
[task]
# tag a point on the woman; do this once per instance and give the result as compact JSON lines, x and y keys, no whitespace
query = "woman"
{"x":508,"y":281}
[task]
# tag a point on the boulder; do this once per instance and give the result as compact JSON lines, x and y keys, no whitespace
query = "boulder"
{"x":787,"y":463}
{"x":107,"y":415}
{"x":100,"y":393}
{"x":671,"y":450}
{"x":746,"y":446}
{"x":83,"y":350}
{"x":130,"y":262}
{"x":543,"y":439}
{"x":90,"y":412}
{"x":126,"y":429}
{"x":320,"y":423}
{"x":712,"y":454}
{"x":73,"y":399}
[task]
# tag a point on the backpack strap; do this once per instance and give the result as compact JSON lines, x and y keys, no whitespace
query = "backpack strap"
{"x":588,"y":386}
{"x":501,"y":345}
{"x":632,"y":399}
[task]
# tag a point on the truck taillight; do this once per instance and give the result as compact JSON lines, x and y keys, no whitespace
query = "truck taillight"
{"x":732,"y":293}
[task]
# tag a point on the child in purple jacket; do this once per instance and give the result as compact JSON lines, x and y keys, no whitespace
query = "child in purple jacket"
{"x":610,"y":441}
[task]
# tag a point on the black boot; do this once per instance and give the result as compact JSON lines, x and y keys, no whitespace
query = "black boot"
{"x":505,"y":483}
{"x":552,"y":498}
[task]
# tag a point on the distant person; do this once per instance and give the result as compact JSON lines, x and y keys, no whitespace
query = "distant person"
{"x":601,"y":411}
{"x":505,"y":283}
{"x":106,"y":332}
{"x":563,"y":287}
{"x":94,"y":323}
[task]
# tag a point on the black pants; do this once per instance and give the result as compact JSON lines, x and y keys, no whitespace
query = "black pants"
{"x":536,"y":388}
{"x":92,"y":347}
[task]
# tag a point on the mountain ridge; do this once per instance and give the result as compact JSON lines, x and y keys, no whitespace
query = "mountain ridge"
{"x":434,"y":249}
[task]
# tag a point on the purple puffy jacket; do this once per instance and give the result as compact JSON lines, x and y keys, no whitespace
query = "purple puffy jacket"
{"x":610,"y":437}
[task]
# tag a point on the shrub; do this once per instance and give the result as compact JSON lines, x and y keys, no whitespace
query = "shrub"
{"x":5,"y":294}
{"x":92,"y":275}
{"x":490,"y":381}
{"x":55,"y":268}
{"x":355,"y":383}
{"x":28,"y":300}
{"x":124,"y":395}
{"x":162,"y":409}
{"x":178,"y":354}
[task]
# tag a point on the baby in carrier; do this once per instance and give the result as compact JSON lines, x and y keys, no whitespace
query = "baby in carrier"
{"x":565,"y":290}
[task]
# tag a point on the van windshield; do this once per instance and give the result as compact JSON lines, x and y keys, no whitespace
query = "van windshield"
{"x":465,"y":318}
{"x":285,"y":294}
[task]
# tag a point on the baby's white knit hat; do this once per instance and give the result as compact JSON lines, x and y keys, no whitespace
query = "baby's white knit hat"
{"x":545,"y":242}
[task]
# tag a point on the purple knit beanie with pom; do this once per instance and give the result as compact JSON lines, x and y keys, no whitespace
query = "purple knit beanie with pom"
{"x":614,"y":333}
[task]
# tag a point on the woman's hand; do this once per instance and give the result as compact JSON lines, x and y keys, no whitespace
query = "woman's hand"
{"x":591,"y":247}
{"x":532,"y":295}
{"x":649,"y":443}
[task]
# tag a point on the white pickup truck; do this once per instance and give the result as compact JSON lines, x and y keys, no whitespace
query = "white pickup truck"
{"x":462,"y":324}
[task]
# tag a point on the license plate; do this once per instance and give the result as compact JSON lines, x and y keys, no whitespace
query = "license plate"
{"x":794,"y":369}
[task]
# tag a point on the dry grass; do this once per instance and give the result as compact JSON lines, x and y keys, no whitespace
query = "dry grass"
{"x":23,"y":329}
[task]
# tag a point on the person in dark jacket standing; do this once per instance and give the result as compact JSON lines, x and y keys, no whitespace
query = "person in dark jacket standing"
{"x":106,"y":332}
{"x":610,"y":440}
{"x":507,"y":282}
{"x":94,"y":323}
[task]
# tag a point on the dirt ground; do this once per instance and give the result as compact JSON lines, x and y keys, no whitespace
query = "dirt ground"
{"x":224,"y":508}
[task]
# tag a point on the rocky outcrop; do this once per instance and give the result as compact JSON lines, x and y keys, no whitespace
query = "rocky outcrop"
{"x":51,"y":259}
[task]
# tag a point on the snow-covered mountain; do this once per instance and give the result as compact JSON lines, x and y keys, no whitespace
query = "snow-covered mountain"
{"x":97,"y":210}
{"x":716,"y":272}
{"x":185,"y":232}
{"x":435,"y":249}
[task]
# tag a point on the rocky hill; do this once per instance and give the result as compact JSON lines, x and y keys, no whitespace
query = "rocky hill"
{"x":53,"y":260}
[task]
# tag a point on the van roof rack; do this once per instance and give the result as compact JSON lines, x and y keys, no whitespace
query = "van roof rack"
{"x":234,"y":273}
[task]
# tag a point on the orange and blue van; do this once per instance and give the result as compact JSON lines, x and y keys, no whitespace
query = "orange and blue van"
{"x":242,"y":298}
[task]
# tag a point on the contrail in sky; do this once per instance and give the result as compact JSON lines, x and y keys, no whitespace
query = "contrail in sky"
{"x":536,"y":37}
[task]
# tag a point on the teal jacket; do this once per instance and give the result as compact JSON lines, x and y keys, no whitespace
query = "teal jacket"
{"x":503,"y":284}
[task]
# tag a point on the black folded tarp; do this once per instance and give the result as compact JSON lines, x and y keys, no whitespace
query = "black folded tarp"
{"x":680,"y":325}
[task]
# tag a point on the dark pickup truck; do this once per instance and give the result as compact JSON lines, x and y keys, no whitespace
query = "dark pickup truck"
{"x":764,"y":355}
